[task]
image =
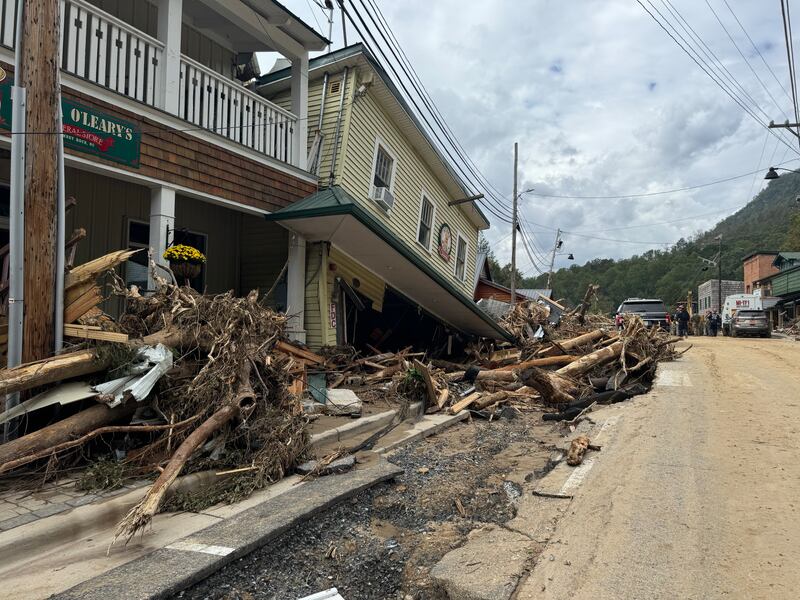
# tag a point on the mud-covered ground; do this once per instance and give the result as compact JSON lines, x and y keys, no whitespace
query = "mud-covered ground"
{"x":382,"y":543}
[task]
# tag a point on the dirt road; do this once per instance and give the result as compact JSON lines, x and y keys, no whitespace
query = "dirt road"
{"x":697,"y":491}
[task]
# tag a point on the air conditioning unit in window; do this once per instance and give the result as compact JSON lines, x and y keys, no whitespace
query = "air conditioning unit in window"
{"x":383,"y":196}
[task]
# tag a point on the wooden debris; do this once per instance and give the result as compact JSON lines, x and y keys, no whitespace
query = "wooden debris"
{"x":93,"y":332}
{"x":50,"y":370}
{"x":465,"y":403}
{"x":429,"y":387}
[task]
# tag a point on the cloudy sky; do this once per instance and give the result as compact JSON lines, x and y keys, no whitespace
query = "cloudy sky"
{"x":602,"y":103}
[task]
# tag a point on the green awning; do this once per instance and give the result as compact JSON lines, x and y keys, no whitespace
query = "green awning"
{"x":332,"y":215}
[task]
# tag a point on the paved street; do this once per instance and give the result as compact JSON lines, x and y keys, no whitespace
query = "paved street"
{"x":696,"y":491}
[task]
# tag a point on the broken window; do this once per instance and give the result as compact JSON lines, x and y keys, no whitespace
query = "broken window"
{"x":461,"y":258}
{"x":425,"y":223}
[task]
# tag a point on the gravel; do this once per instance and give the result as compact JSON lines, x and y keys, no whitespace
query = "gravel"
{"x":382,"y":543}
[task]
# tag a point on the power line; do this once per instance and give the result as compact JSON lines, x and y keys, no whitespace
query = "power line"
{"x":426,"y":97}
{"x":752,"y":43}
{"x":732,"y":96}
{"x":661,"y":193}
{"x":411,"y":98}
{"x":787,"y":34}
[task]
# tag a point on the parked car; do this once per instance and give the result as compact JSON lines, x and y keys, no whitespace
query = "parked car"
{"x":750,"y":322}
{"x":652,"y":311}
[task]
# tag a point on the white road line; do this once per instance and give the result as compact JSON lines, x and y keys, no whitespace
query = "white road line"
{"x":203,"y":548}
{"x":609,"y":422}
{"x":673,"y":379}
{"x":577,"y":477}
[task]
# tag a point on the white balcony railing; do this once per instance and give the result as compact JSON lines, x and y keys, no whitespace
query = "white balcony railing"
{"x":105,"y":50}
{"x":222,"y":105}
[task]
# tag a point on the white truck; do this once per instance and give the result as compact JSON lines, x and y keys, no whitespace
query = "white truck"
{"x":736,"y":302}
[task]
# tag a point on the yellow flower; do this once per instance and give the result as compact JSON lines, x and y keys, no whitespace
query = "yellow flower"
{"x":184,"y":253}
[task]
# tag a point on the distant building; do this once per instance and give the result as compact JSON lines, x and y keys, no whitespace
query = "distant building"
{"x":708,"y":296}
{"x":784,"y":284}
{"x":757,"y":267}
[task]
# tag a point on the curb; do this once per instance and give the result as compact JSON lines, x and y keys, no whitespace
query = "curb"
{"x":169,"y":570}
{"x":370,"y":424}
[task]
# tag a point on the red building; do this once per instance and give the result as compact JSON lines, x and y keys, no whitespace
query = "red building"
{"x":757,"y":266}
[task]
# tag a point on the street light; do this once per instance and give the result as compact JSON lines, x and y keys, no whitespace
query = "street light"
{"x":772,"y":173}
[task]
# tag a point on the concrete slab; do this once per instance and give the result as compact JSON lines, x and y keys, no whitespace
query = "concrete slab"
{"x":488,"y":567}
{"x":167,"y":571}
{"x":425,"y":427}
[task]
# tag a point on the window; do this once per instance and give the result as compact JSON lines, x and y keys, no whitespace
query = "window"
{"x":195,"y":240}
{"x":136,"y":266}
{"x":425,"y":223}
{"x":384,"y":167}
{"x":461,"y":258}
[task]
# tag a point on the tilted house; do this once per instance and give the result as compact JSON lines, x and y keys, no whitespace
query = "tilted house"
{"x":388,"y":260}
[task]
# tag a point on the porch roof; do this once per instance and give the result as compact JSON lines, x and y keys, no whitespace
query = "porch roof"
{"x":332,"y":215}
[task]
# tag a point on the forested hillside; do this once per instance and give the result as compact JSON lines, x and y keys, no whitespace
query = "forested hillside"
{"x":769,"y":222}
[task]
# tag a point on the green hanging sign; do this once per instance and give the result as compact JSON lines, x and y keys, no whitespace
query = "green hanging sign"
{"x":87,"y":129}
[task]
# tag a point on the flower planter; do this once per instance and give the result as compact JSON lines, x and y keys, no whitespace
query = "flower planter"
{"x":185,"y":270}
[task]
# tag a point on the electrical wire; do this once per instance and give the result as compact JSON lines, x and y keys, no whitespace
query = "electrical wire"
{"x":787,"y":34}
{"x":471,"y":178}
{"x":426,"y":97}
{"x":732,"y":96}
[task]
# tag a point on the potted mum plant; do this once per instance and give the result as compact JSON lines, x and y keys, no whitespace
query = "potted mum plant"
{"x":185,"y":261}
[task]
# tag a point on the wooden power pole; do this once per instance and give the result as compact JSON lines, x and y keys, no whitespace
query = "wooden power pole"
{"x":38,"y":73}
{"x":514,"y":235}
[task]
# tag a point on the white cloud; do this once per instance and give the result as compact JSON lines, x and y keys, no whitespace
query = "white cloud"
{"x":602,"y":102}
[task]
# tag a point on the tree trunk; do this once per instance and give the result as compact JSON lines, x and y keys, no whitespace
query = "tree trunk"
{"x":586,"y":363}
{"x":65,"y":430}
{"x":140,"y":515}
{"x":38,"y":73}
{"x":552,"y":388}
{"x":547,"y":361}
{"x":50,"y":370}
{"x":575,"y":342}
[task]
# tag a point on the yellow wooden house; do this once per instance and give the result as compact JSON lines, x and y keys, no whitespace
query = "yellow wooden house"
{"x":388,"y":262}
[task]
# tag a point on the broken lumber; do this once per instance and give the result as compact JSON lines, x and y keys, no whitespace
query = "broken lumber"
{"x":62,"y":431}
{"x":92,"y":269}
{"x":50,"y":370}
{"x":489,"y":399}
{"x":89,"y":332}
{"x":293,"y":350}
{"x":83,"y":304}
{"x":429,"y":387}
{"x":547,"y":361}
{"x":465,"y":403}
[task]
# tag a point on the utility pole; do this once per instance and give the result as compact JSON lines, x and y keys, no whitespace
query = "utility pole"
{"x":514,"y":235}
{"x":38,"y":72}
{"x":344,"y":25}
{"x":556,"y":246}
{"x":719,"y":274}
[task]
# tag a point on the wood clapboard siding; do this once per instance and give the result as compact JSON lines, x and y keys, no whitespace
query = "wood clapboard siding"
{"x":370,"y":285}
{"x":264,"y":248}
{"x":367,"y":122}
{"x":328,"y":129}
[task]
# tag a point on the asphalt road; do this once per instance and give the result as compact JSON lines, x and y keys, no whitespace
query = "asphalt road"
{"x":695,"y":493}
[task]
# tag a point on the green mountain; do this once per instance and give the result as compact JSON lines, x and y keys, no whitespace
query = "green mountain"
{"x":771,"y":221}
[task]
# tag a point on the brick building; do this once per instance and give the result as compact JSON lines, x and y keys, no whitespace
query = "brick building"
{"x":758,"y":266}
{"x":707,"y":296}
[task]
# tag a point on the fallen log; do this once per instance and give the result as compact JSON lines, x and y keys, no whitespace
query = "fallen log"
{"x":547,"y":361}
{"x":490,"y":399}
{"x":53,"y":450}
{"x":243,"y":401}
{"x":586,"y":363}
{"x":492,"y":375}
{"x":553,"y":388}
{"x":50,"y":370}
{"x":63,"y":431}
{"x":566,"y":345}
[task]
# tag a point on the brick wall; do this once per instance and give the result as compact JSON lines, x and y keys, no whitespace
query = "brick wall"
{"x":756,"y":268}
{"x":180,"y":158}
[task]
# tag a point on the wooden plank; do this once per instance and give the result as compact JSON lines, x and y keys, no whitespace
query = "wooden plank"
{"x":89,"y":332}
{"x":299,"y":352}
{"x":465,"y":403}
{"x":83,"y":304}
{"x":98,"y":266}
{"x":426,"y":376}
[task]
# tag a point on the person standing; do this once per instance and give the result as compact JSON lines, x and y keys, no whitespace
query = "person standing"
{"x":713,"y":323}
{"x":682,"y":317}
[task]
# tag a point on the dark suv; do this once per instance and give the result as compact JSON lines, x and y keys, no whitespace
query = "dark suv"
{"x":750,"y":322}
{"x":652,"y":311}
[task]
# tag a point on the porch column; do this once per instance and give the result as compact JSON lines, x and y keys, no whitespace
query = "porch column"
{"x":296,"y":287}
{"x":300,"y":110}
{"x":162,"y":215}
{"x":170,"y":14}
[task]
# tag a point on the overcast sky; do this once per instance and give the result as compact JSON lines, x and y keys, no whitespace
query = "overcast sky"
{"x":602,"y":102}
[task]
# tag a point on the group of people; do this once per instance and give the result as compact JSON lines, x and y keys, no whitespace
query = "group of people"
{"x":713,"y":321}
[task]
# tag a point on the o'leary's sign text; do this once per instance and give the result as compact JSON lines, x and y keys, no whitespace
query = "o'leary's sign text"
{"x":87,"y":129}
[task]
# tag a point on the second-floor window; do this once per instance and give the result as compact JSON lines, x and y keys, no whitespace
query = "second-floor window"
{"x":461,"y":258}
{"x":384,"y":168}
{"x":425,"y":223}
